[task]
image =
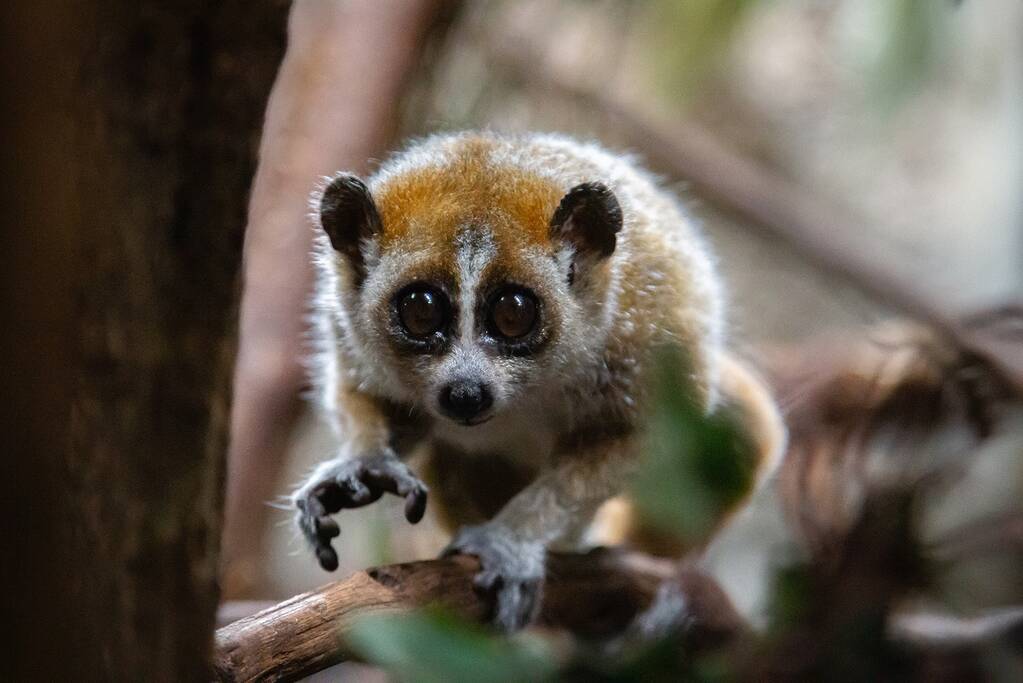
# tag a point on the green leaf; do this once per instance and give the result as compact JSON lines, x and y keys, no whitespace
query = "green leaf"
{"x":790,"y":597}
{"x":687,"y":37}
{"x":696,"y":466}
{"x":432,"y":645}
{"x":913,"y":36}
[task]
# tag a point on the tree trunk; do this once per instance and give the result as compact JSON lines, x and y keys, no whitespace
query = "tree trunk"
{"x":335,"y":105}
{"x":158,"y":109}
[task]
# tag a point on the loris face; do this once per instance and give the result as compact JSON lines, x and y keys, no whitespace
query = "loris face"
{"x":467,"y":327}
{"x":469,"y":299}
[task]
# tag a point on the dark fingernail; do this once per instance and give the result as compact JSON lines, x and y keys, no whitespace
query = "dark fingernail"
{"x":486,"y":583}
{"x":415,"y":506}
{"x":358,"y":494}
{"x":327,"y":558}
{"x":330,"y":496}
{"x":326,"y":528}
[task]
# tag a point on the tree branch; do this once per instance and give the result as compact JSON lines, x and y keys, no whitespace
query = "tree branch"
{"x":593,"y":594}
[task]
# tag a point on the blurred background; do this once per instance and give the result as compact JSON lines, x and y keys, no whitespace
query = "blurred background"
{"x":852,"y":161}
{"x":856,"y":164}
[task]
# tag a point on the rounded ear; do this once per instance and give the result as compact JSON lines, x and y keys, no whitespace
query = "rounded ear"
{"x":588,"y":217}
{"x":349,"y":216}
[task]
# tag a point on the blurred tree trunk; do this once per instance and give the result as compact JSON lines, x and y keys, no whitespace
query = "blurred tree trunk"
{"x":147,"y":131}
{"x":336,"y":104}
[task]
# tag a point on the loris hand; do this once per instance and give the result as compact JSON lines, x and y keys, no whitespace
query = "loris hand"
{"x":512,"y":571}
{"x":352,"y":483}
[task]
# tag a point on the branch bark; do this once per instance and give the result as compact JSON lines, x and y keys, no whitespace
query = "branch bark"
{"x":595,"y":594}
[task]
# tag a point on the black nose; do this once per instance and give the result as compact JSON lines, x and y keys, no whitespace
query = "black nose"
{"x":465,"y":400}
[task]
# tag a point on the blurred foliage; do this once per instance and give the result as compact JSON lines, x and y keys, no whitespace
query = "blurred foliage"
{"x":696,"y":466}
{"x":662,"y":660}
{"x":903,"y":42}
{"x":686,"y":38}
{"x":433,"y":645}
{"x":909,"y":41}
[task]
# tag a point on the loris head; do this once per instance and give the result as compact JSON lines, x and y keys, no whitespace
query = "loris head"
{"x":472,"y":289}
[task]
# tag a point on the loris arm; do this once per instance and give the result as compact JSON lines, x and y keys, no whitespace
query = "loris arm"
{"x":512,"y":546}
{"x":561,"y":503}
{"x":365,"y":468}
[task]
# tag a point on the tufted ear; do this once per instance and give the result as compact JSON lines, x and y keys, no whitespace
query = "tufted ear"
{"x":349,"y":216}
{"x":588,"y":217}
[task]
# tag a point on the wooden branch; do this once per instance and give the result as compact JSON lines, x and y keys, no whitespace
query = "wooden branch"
{"x":593,"y":594}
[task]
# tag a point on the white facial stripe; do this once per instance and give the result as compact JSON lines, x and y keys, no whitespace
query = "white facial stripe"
{"x":476,"y":249}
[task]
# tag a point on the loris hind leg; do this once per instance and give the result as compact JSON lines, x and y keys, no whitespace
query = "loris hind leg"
{"x":744,"y":395}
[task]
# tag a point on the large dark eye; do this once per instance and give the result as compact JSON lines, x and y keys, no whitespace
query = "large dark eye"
{"x":513,"y":313}
{"x":422,"y":310}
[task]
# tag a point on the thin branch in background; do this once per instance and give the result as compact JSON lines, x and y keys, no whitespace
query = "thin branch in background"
{"x":314,"y":127}
{"x":942,"y":631}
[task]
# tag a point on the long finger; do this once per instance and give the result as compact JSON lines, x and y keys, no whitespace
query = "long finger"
{"x":401,"y":482}
{"x":345,"y":491}
{"x":318,"y":528}
{"x":415,"y":504}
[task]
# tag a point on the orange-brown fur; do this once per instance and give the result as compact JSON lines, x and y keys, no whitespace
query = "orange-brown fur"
{"x":427,"y":207}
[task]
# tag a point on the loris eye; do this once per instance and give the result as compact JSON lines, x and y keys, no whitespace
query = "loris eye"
{"x":422,"y":310}
{"x":513,"y":313}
